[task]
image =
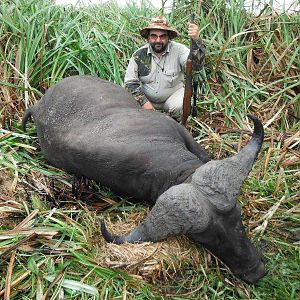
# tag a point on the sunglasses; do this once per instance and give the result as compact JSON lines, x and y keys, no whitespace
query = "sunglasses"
{"x":161,"y":37}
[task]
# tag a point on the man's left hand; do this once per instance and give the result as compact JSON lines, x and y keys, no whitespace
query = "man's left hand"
{"x":193,"y":31}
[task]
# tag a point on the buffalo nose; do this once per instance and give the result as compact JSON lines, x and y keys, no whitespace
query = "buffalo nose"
{"x":255,"y":274}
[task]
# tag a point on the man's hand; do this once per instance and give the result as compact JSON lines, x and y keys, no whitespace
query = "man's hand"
{"x":148,"y":105}
{"x":193,"y":31}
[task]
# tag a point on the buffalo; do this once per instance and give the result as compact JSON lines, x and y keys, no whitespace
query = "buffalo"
{"x":95,"y":129}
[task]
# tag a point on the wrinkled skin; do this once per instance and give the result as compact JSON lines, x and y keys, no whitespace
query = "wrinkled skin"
{"x":95,"y":129}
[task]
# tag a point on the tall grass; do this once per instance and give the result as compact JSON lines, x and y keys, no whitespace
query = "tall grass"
{"x":250,"y":61}
{"x":49,"y":240}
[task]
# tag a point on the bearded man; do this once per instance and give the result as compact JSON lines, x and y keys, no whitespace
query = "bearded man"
{"x":155,"y":73}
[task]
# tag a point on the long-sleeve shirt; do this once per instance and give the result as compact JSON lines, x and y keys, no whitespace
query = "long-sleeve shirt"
{"x":152,"y":78}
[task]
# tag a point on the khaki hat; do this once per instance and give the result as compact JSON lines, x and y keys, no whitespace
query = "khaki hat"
{"x":161,"y":24}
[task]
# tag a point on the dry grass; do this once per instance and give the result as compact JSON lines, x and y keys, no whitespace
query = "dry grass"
{"x":150,"y":261}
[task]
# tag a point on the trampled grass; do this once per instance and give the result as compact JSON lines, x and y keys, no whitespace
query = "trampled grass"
{"x":50,"y":245}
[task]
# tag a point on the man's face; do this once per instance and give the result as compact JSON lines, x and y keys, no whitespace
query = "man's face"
{"x":158,"y":40}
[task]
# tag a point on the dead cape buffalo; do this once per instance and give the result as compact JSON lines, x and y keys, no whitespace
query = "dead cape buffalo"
{"x":95,"y":129}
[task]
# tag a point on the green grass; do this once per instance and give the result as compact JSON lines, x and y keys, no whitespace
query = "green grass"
{"x":252,"y":65}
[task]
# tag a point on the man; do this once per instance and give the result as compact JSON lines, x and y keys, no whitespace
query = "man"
{"x":155,"y":73}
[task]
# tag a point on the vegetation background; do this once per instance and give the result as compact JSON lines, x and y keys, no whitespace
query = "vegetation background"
{"x":50,"y":246}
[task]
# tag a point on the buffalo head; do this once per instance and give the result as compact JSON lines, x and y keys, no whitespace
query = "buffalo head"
{"x":205,"y":209}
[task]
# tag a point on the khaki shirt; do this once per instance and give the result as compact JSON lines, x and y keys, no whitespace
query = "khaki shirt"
{"x":155,"y":79}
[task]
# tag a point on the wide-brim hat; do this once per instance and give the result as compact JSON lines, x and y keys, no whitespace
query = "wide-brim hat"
{"x":161,"y":24}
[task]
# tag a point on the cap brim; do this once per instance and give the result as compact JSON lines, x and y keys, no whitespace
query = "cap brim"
{"x":145,"y":31}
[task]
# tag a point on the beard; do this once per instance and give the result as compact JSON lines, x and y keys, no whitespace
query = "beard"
{"x":158,"y":47}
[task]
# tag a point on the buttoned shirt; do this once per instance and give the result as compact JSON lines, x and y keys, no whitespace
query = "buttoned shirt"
{"x":152,"y":78}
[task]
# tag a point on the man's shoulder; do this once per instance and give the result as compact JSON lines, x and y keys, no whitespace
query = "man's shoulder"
{"x":142,"y":51}
{"x":143,"y":60}
{"x":177,"y":46}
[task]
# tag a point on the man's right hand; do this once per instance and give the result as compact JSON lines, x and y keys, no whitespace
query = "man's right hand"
{"x":148,"y":105}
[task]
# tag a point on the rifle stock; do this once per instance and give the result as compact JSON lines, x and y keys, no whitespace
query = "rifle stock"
{"x":188,"y":90}
{"x":186,"y":109}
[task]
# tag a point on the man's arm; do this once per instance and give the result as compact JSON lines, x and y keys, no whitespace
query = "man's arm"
{"x":133,"y":85}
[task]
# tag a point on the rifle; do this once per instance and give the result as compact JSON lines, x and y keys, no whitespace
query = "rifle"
{"x":188,"y":90}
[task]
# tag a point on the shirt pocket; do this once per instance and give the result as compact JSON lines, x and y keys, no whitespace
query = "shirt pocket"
{"x":170,"y":77}
{"x":147,"y":79}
